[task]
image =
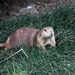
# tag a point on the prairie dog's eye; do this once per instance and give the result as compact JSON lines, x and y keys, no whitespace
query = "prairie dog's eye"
{"x":45,"y":30}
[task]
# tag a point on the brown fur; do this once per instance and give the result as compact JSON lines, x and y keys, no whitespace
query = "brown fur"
{"x":29,"y":37}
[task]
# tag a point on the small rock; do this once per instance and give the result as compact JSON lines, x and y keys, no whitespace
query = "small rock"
{"x":29,"y":9}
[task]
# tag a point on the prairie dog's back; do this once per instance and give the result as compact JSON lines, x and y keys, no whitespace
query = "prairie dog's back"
{"x":22,"y":36}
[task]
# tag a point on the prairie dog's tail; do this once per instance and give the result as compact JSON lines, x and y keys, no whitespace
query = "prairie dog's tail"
{"x":1,"y":45}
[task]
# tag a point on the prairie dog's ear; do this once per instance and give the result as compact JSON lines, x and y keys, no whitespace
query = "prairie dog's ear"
{"x":40,"y":32}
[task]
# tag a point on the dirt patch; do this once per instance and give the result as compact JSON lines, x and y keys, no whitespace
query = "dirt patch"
{"x":13,"y":8}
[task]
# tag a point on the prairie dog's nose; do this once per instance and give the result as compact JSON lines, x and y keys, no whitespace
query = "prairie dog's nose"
{"x":51,"y":35}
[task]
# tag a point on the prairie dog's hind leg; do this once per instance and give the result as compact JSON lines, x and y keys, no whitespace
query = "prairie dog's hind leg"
{"x":8,"y":46}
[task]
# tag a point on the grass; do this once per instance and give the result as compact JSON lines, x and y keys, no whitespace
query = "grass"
{"x":56,"y":61}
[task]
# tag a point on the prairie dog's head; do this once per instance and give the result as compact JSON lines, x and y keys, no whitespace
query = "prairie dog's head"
{"x":46,"y":32}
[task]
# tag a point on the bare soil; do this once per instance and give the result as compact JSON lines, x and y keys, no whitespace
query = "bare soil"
{"x":13,"y":8}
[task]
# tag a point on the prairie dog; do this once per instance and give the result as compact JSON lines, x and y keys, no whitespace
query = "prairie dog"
{"x":45,"y":37}
{"x":30,"y":37}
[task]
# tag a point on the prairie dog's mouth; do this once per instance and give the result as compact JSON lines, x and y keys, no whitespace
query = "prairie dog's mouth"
{"x":50,"y":35}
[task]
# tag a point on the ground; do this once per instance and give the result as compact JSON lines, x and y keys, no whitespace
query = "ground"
{"x":33,"y":60}
{"x":14,"y":8}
